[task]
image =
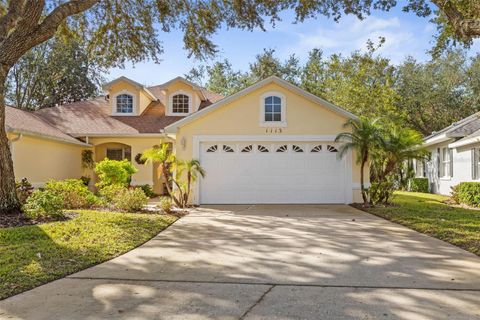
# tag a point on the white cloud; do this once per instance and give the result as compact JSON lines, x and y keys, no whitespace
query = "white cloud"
{"x":351,"y":34}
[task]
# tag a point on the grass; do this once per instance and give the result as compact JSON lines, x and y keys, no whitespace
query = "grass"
{"x":33,"y":255}
{"x":428,"y":214}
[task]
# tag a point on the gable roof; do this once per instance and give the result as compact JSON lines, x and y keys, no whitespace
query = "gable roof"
{"x":165,"y":85}
{"x":28,"y":123}
{"x":272,"y":79}
{"x":107,"y":85}
{"x":459,"y":129}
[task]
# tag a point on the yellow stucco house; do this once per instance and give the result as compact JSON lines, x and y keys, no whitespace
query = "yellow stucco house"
{"x":269,"y":143}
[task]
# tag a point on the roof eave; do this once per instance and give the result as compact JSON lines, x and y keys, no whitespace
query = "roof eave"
{"x":48,"y":137}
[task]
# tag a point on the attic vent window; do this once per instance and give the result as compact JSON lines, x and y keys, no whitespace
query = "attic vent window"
{"x":124,"y":103}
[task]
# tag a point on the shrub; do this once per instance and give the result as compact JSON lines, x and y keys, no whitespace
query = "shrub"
{"x":114,"y":172}
{"x":74,"y":193}
{"x":467,"y":193}
{"x":166,"y":204}
{"x":147,"y":189}
{"x":109,"y":193}
{"x":24,"y":190}
{"x":44,"y":205}
{"x":419,"y":185}
{"x":130,"y":200}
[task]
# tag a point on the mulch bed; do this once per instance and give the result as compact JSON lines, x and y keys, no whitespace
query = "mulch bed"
{"x":15,"y":220}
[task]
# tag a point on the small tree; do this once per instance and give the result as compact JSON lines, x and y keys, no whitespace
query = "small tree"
{"x":400,"y":145}
{"x":180,"y":173}
{"x":364,"y":137}
{"x":113,"y":172}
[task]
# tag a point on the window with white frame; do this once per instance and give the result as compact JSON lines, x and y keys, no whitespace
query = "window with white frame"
{"x":119,"y":153}
{"x":272,"y":111}
{"x":124,"y":103}
{"x":180,"y":103}
{"x":476,"y":163}
{"x":446,"y":163}
{"x":420,"y":168}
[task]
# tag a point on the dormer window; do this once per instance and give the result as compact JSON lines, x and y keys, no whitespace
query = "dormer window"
{"x":272,"y":110}
{"x":124,"y":103}
{"x":180,"y":103}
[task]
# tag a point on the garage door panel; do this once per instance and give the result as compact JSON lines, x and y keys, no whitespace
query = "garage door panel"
{"x":273,"y":177}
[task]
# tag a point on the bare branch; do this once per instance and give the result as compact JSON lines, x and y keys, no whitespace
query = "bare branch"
{"x":9,"y":20}
{"x":465,"y":28}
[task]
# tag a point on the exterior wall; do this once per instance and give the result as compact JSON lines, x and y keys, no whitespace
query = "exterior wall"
{"x":141,"y":100}
{"x":181,"y":86}
{"x":462,"y":169}
{"x":242,"y":117}
{"x":39,"y":160}
{"x":146,"y":172}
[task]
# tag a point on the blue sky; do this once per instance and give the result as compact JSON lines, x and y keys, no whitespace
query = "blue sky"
{"x":405,"y":34}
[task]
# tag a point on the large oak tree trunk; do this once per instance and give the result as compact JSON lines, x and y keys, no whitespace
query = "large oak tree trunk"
{"x":8,"y":197}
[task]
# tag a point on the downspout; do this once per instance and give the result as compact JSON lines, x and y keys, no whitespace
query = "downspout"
{"x":10,"y":143}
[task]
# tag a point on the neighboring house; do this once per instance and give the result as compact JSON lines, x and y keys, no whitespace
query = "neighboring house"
{"x":269,"y":143}
{"x":454,"y":155}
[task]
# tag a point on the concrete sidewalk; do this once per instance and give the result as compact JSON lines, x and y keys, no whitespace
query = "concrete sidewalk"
{"x":269,"y":262}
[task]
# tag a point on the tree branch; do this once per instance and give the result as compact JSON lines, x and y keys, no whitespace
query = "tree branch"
{"x":465,"y":28}
{"x":9,"y":20}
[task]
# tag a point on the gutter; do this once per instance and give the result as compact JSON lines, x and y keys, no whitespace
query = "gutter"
{"x":464,"y":142}
{"x":48,"y":137}
{"x":110,"y":135}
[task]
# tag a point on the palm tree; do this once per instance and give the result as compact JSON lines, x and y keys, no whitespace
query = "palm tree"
{"x":193,"y":170}
{"x":364,"y":137}
{"x":163,"y":156}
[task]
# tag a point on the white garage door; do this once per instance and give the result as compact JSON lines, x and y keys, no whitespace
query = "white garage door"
{"x":271,"y":173}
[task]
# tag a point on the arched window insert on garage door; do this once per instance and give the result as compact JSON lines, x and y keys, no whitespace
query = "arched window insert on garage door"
{"x":331,"y":148}
{"x":317,"y":148}
{"x":296,"y":148}
{"x":262,"y":148}
{"x":247,"y":149}
{"x":213,"y":148}
{"x":282,"y":148}
{"x":227,"y":149}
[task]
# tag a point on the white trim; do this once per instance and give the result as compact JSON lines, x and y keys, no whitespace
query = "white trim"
{"x":134,"y":102}
{"x":464,"y":142}
{"x":285,"y":84}
{"x":108,"y":85}
{"x":198,"y":139}
{"x":48,"y":137}
{"x":434,"y":140}
{"x":109,"y":135}
{"x":207,"y":138}
{"x":283,"y":110}
{"x":170,"y":103}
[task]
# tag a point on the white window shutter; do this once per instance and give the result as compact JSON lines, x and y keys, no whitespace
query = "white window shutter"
{"x":451,"y":162}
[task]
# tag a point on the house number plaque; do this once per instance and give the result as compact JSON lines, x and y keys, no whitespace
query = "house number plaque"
{"x":273,"y":130}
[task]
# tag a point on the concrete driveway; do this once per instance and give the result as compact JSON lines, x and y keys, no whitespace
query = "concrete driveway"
{"x":269,"y":262}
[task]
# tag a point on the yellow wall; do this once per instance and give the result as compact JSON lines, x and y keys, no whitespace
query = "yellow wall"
{"x":146,"y":172}
{"x":141,"y":99}
{"x":242,"y":117}
{"x":39,"y":160}
{"x":179,"y":85}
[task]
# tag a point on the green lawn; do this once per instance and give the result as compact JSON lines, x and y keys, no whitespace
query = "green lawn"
{"x":33,"y":255}
{"x":427,"y":214}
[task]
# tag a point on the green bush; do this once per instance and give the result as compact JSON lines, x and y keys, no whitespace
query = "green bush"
{"x":44,"y":204}
{"x":467,"y":193}
{"x":166,"y":204}
{"x":112,"y":172}
{"x":109,"y":193}
{"x":74,"y":193}
{"x":147,"y":189}
{"x":130,"y":200}
{"x":24,"y":190}
{"x":419,"y":185}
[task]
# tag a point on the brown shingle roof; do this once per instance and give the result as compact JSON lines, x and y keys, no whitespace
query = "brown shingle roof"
{"x":26,"y":122}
